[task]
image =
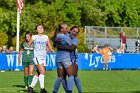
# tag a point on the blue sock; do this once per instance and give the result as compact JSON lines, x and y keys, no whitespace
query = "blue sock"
{"x":64,"y":84}
{"x":78,"y":84}
{"x":57,"y":84}
{"x":70,"y":83}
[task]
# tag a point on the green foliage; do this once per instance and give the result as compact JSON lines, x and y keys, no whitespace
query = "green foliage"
{"x":3,"y":39}
{"x":50,"y":13}
{"x":81,"y":47}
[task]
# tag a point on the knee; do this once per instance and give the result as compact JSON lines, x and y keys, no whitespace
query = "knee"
{"x":42,"y":72}
{"x":60,"y":78}
{"x":71,"y":77}
{"x":26,"y":73}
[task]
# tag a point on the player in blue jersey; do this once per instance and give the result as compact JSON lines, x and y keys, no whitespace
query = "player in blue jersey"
{"x":63,"y":59}
{"x":74,"y":57}
{"x":41,"y":42}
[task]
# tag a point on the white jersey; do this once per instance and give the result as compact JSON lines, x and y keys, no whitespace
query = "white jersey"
{"x":40,"y":46}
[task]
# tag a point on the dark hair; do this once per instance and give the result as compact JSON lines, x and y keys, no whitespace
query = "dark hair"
{"x":39,"y":25}
{"x":75,"y":27}
{"x":58,"y":29}
{"x":27,"y":33}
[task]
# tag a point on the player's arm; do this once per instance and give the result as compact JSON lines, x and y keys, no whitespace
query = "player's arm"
{"x":101,"y":51}
{"x":49,"y":46}
{"x":69,"y":48}
{"x":20,"y":51}
{"x":72,"y":45}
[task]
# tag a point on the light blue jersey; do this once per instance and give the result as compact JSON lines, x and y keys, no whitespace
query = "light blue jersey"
{"x":63,"y":56}
{"x":74,"y":55}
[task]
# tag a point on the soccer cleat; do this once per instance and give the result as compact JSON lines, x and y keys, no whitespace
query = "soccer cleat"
{"x":54,"y":92}
{"x":30,"y":90}
{"x":69,"y":91}
{"x":43,"y":91}
{"x":106,"y":69}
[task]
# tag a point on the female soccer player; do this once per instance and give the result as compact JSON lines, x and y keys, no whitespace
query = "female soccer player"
{"x":41,"y":42}
{"x":27,"y":58}
{"x":74,"y":57}
{"x":63,"y":60}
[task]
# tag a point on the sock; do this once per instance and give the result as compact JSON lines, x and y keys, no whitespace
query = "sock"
{"x":41,"y":80}
{"x":64,"y":84}
{"x":78,"y":84}
{"x":57,"y":84}
{"x":30,"y":77}
{"x":26,"y":80}
{"x":70,"y":83}
{"x":34,"y":81}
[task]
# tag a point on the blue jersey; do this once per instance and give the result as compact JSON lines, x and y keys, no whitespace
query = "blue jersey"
{"x":63,"y":56}
{"x":74,"y":55}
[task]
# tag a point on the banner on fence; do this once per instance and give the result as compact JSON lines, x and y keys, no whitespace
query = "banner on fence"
{"x":86,"y":61}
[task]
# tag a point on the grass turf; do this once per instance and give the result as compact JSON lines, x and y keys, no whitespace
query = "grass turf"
{"x":92,"y":82}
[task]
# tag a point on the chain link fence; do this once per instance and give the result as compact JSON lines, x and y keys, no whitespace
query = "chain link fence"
{"x":110,"y":35}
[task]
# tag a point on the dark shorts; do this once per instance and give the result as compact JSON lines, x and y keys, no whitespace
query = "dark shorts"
{"x":26,"y":64}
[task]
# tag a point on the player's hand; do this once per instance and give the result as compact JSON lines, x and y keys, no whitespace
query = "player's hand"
{"x":58,"y":40}
{"x":19,"y":60}
{"x":52,"y":50}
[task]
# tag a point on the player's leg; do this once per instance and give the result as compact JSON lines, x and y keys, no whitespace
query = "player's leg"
{"x":26,"y":74}
{"x":64,"y":81}
{"x":31,"y":69}
{"x":36,"y":77}
{"x":41,"y":70}
{"x":69,"y":71}
{"x":34,"y":82}
{"x":106,"y":64}
{"x":76,"y":78}
{"x":40,"y":74}
{"x":60,"y":73}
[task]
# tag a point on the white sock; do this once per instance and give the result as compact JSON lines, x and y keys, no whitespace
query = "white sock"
{"x":57,"y":84}
{"x":64,"y":84}
{"x":70,"y":83}
{"x":78,"y":84}
{"x":34,"y":81}
{"x":41,"y":80}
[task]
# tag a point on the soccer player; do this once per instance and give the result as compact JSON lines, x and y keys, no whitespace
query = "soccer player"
{"x":41,"y":42}
{"x":26,"y":48}
{"x":106,"y":52}
{"x":74,"y":57}
{"x":63,"y":59}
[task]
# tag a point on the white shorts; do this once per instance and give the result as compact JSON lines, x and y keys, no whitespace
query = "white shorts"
{"x":39,"y":60}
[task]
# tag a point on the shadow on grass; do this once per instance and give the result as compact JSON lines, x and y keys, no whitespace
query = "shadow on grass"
{"x":20,"y":86}
{"x":25,"y":91}
{"x":22,"y":90}
{"x":134,"y":92}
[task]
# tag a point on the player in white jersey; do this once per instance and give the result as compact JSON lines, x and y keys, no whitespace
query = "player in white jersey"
{"x":41,"y":42}
{"x":63,"y":60}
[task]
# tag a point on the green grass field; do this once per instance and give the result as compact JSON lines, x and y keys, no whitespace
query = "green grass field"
{"x":92,"y":82}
